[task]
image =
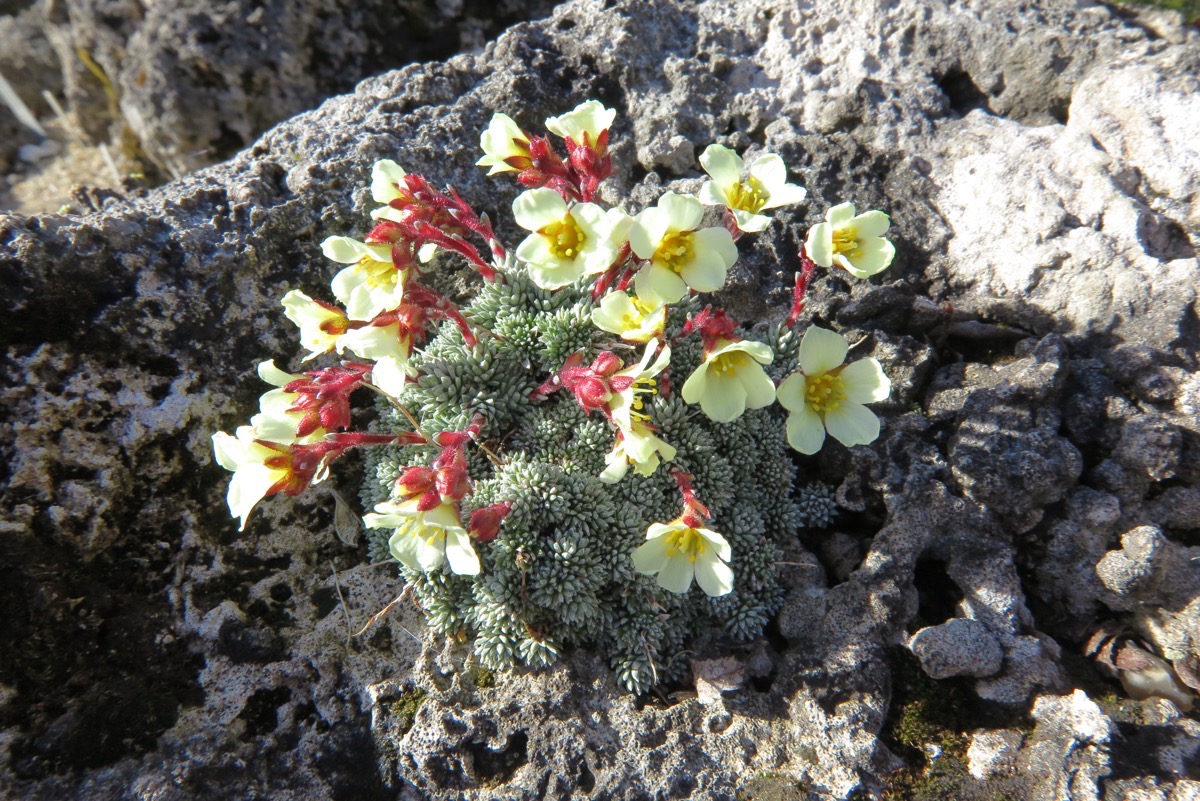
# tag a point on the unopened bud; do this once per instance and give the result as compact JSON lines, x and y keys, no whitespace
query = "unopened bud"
{"x":485,"y":522}
{"x":607,"y":363}
{"x":592,"y":393}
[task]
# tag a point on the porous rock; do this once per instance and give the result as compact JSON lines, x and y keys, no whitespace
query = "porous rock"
{"x":958,"y":647}
{"x":165,"y":653}
{"x":194,"y":83}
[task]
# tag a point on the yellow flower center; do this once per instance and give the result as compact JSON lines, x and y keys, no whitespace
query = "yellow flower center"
{"x":686,"y":541}
{"x":565,"y":237}
{"x":749,"y":195}
{"x":729,"y":363}
{"x":845,"y":241}
{"x":639,"y":387}
{"x":676,"y":250}
{"x":824,"y":393}
{"x":379,"y":273}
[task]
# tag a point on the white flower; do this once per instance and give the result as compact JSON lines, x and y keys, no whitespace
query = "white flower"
{"x":424,"y":540}
{"x":260,"y":468}
{"x":371,"y":284}
{"x":567,"y":243}
{"x":625,"y":403}
{"x":766,"y":186}
{"x":830,"y":396}
{"x":386,"y":177}
{"x":391,"y":374}
{"x":630,"y":318}
{"x":319,"y":324}
{"x":376,"y":342}
{"x":590,"y":118}
{"x":679,"y":255}
{"x":504,"y":144}
{"x":274,"y":421}
{"x":853,"y":243}
{"x":731,"y":380}
{"x":677,"y":552}
{"x":638,"y":446}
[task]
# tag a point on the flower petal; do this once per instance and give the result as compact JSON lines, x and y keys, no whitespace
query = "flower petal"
{"x":676,"y":575}
{"x":384,"y":177}
{"x":711,"y":195}
{"x":656,"y":285}
{"x":724,"y":165}
{"x":537,"y":208}
{"x":683,"y":212}
{"x":821,"y":350}
{"x":693,"y":389}
{"x":790,"y":392}
{"x":840,"y":214}
{"x":852,"y":424}
{"x":785,"y":195}
{"x":872,"y":256}
{"x":707,"y":271}
{"x":865,"y":382}
{"x":871,"y":223}
{"x":651,"y":556}
{"x":751,"y":223}
{"x":718,"y":241}
{"x":714,"y":576}
{"x":760,"y":390}
{"x":805,"y":431}
{"x":819,"y":244}
{"x":718,"y":543}
{"x":770,"y":169}
{"x":724,"y":399}
{"x":249,"y":485}
{"x":405,"y":546}
{"x":459,"y":553}
{"x":647,"y":232}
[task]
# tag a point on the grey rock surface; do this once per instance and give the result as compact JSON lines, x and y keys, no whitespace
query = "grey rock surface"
{"x":958,"y":647}
{"x":1043,"y":229}
{"x":187,"y":84}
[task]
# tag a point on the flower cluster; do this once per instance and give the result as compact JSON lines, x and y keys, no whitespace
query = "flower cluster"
{"x":581,"y":387}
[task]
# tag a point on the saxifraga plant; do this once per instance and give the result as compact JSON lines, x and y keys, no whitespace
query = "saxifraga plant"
{"x":558,"y":461}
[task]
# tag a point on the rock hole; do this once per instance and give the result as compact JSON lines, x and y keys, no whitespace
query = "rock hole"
{"x":261,"y":711}
{"x":497,"y":767}
{"x":1162,"y":238}
{"x":961,"y":91}
{"x":586,"y":780}
{"x":565,"y":24}
{"x":937,"y":594}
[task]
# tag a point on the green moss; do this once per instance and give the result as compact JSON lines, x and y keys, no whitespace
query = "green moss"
{"x":404,"y":708}
{"x":1189,"y":8}
{"x":926,"y":712}
{"x":484,"y":678}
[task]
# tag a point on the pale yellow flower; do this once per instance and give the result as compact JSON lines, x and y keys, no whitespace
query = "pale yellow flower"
{"x":425,"y":540}
{"x":630,"y":318}
{"x":731,"y":380}
{"x":677,"y":552}
{"x":639,"y":447}
{"x":371,"y":284}
{"x":591,"y":118}
{"x":567,"y":243}
{"x":829,"y":395}
{"x":319,"y":325}
{"x":765,"y":187}
{"x":503,"y":144}
{"x":855,"y":244}
{"x":680,"y":256}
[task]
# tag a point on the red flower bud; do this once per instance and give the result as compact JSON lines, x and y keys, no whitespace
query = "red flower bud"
{"x":607,"y":363}
{"x":592,"y":393}
{"x":485,"y":522}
